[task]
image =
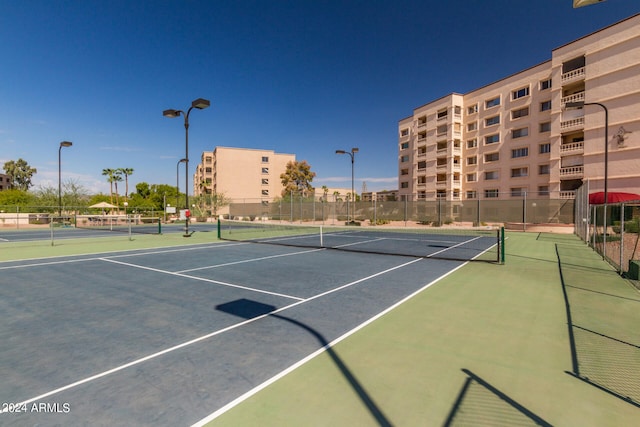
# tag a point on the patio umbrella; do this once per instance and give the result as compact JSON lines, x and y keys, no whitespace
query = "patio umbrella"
{"x":612,"y":197}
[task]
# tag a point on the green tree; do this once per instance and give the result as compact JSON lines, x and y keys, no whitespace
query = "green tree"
{"x":19,"y":173}
{"x":109,"y":173}
{"x":14,"y":197}
{"x":127,"y":172}
{"x":297,"y":179}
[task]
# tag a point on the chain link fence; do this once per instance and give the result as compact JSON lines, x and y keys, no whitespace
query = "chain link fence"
{"x":612,"y":230}
{"x":436,"y":213}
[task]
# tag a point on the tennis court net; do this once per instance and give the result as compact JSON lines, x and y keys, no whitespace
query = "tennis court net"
{"x":460,"y":244}
{"x":120,"y":223}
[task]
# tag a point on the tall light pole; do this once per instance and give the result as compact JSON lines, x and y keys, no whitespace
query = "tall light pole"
{"x":62,"y":144}
{"x":581,"y":104}
{"x":200,"y":104}
{"x":178,"y":179}
{"x":352,"y":153}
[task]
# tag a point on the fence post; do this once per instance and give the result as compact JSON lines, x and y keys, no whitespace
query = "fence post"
{"x":621,"y":238}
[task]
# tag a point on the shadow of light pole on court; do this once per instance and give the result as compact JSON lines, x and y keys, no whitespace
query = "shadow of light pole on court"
{"x":248,"y":309}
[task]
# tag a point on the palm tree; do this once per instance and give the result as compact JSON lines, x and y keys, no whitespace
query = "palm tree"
{"x":325,"y":192}
{"x":127,"y":172}
{"x":109,"y":174}
{"x":116,"y":178}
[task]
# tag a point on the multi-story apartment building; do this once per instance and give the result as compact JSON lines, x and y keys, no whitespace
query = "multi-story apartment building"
{"x":241,"y":173}
{"x":5,"y":184}
{"x":516,"y":136}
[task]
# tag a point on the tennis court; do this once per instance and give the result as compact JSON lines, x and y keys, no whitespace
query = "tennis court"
{"x":168,"y":336}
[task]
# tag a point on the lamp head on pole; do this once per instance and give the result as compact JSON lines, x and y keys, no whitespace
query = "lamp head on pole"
{"x":171,"y":113}
{"x":341,"y":152}
{"x":577,"y":104}
{"x":66,"y":144}
{"x":355,"y":150}
{"x":200,"y":103}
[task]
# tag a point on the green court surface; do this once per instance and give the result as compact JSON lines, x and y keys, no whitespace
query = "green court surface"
{"x":19,"y":250}
{"x":549,"y":338}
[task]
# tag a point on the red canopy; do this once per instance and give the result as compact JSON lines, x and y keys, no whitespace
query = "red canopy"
{"x":612,"y":197}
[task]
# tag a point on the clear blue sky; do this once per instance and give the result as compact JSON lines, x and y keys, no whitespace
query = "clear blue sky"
{"x":298,"y":76}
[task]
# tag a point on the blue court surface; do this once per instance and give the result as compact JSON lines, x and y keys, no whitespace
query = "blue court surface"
{"x":166,"y":337}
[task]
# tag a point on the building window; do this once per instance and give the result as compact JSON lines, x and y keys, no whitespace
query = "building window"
{"x":491,"y":157}
{"x":265,"y":192}
{"x":404,"y":185}
{"x":265,"y":181}
{"x":457,"y":110}
{"x":265,"y":159}
{"x":543,"y":190}
{"x":519,"y":172}
{"x":491,"y":175}
{"x":404,"y":145}
{"x":442,"y":114}
{"x":404,"y":132}
{"x":473,"y":160}
{"x":472,"y":143}
{"x":491,"y":139}
{"x":521,"y":93}
{"x":472,"y":126}
{"x":472,"y":194}
{"x":519,"y":152}
{"x":441,"y":130}
{"x":472,"y":109}
{"x":545,"y":84}
{"x":490,"y":194}
{"x":545,"y":106}
{"x":265,"y":170}
{"x":471,"y":177}
{"x":492,"y":121}
{"x":545,"y":127}
{"x":522,"y":112}
{"x":518,"y":192}
{"x":545,"y":148}
{"x":404,"y":159}
{"x":404,"y":172}
{"x":543,"y":170}
{"x":519,"y":133}
{"x":493,"y":102}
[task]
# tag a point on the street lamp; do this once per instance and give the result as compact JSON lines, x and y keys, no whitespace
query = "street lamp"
{"x":200,"y":104}
{"x":62,"y":144}
{"x":581,"y":104}
{"x":178,"y":179}
{"x":352,"y":153}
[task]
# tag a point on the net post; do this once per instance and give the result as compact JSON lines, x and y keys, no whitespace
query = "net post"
{"x":321,"y":242}
{"x":501,"y":236}
{"x":219,"y":229}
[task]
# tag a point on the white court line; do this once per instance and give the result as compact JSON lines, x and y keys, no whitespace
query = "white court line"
{"x":226,"y":264}
{"x":201,"y":279}
{"x":311,"y":356}
{"x":454,"y":246}
{"x":202,"y":338}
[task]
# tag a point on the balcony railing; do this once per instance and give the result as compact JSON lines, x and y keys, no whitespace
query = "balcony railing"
{"x":573,"y":123}
{"x":572,"y":147}
{"x":576,"y":74}
{"x":572,"y":171}
{"x":576,"y":97}
{"x":568,"y":194}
